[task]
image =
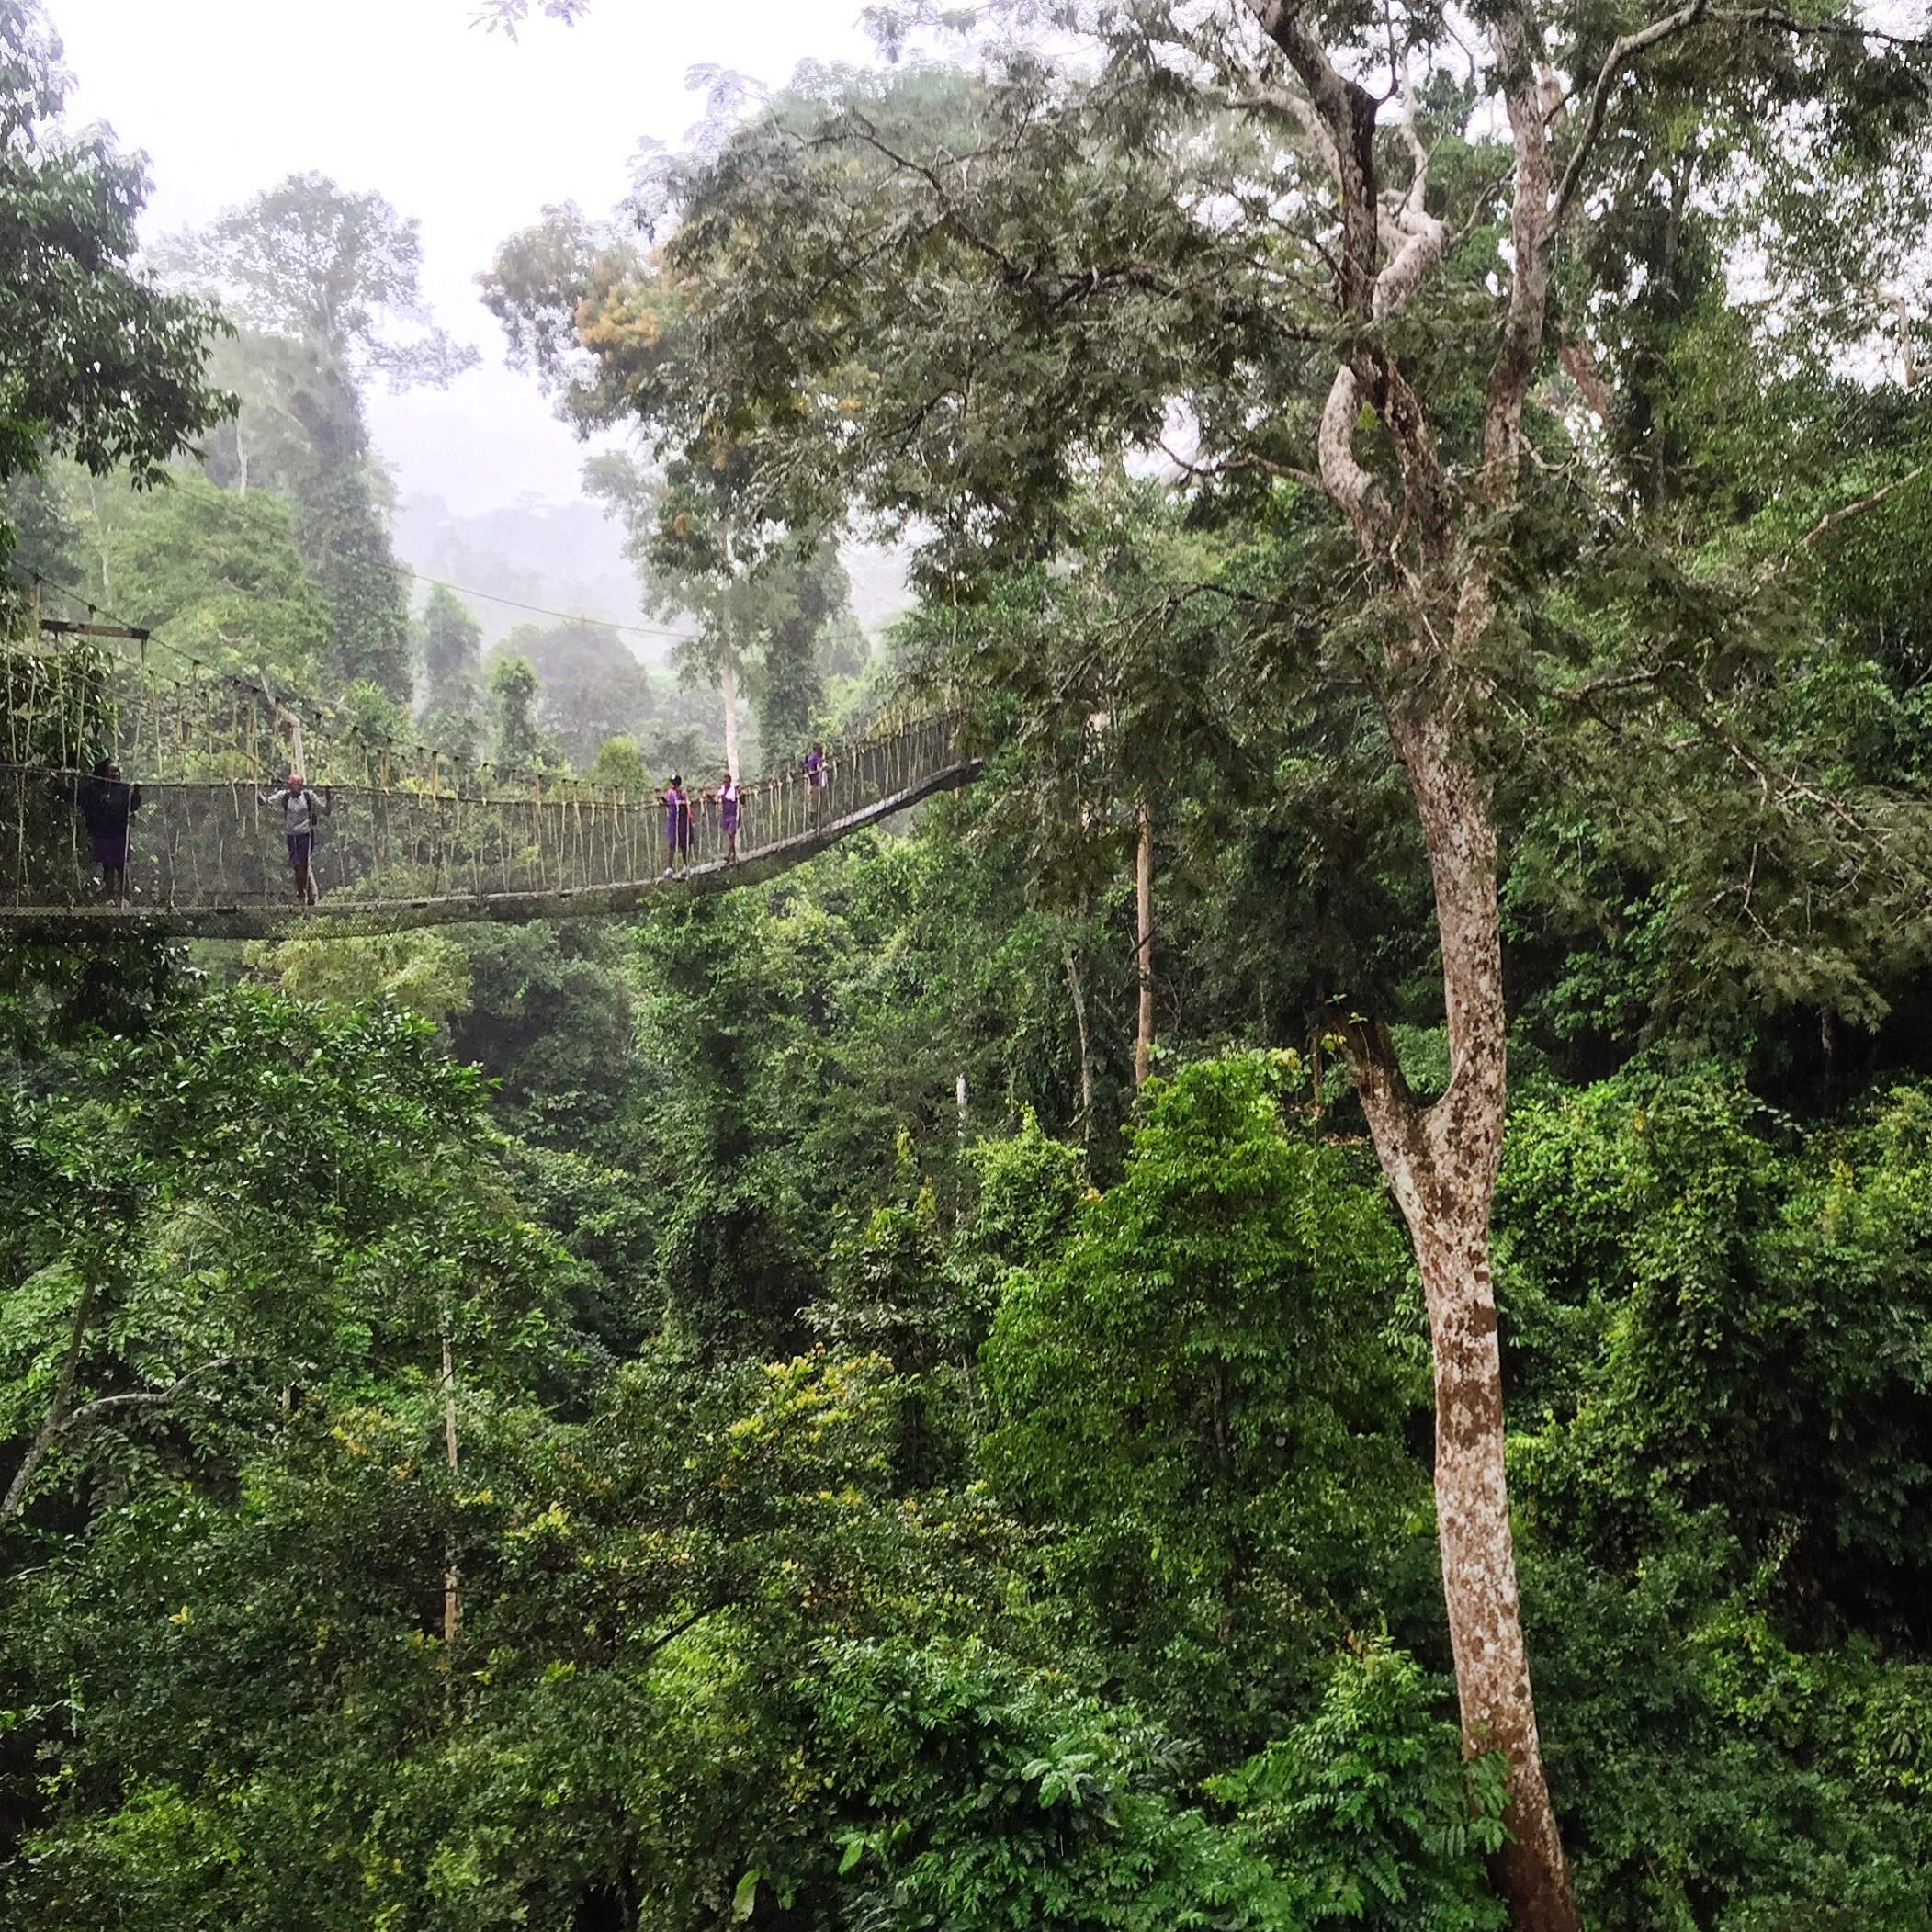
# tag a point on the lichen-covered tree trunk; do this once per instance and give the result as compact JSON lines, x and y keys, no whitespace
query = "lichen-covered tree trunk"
{"x":1441,"y":1162}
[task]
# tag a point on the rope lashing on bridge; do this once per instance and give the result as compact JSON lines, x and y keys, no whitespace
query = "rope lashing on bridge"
{"x":415,"y":837}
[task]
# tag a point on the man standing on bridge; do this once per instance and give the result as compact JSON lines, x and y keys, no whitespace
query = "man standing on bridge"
{"x":106,"y":802}
{"x":302,"y":811}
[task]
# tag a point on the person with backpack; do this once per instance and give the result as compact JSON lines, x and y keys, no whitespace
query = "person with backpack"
{"x":303,"y":810}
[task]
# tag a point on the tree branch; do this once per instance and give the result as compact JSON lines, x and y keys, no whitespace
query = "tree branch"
{"x":58,"y":1425}
{"x":1623,"y":50}
{"x":1418,"y":240}
{"x":1531,"y":237}
{"x":1343,"y":478}
{"x":1849,"y":510}
{"x":1348,"y":113}
{"x":1777,"y":18}
{"x":1301,"y":111}
{"x":56,"y":1408}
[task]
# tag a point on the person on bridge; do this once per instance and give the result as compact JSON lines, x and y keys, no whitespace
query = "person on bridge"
{"x":727,"y":814}
{"x":106,"y":802}
{"x":817,"y":777}
{"x":303,"y":810}
{"x":677,"y":826}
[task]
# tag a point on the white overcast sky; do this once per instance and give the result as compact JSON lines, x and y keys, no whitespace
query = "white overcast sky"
{"x":468,"y":132}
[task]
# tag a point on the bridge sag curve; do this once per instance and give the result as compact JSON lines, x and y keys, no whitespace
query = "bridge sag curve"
{"x":411,"y":839}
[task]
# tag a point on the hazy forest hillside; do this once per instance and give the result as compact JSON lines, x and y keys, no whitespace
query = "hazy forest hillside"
{"x":1309,"y":1307}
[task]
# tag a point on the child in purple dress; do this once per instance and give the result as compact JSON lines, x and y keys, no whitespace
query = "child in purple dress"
{"x":727,"y":814}
{"x":677,"y":825}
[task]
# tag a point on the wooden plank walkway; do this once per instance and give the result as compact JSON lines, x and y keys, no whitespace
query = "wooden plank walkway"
{"x":347,"y":918}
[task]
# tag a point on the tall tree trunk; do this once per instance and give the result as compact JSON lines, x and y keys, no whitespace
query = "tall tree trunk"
{"x":1144,"y":943}
{"x":452,"y":1583}
{"x":728,"y":690}
{"x":1077,"y":993}
{"x":1441,"y":1162}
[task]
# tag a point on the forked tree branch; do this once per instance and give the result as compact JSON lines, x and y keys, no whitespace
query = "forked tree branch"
{"x":59,"y":1425}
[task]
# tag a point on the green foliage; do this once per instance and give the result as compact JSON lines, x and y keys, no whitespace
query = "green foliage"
{"x":878,"y":1500}
{"x":516,"y":740}
{"x":321,"y":274}
{"x":99,"y":363}
{"x":591,"y":688}
{"x":980,"y":1796}
{"x":251,"y":1196}
{"x":1030,"y":1190}
{"x":620,"y":765}
{"x":1717,"y":1774}
{"x":773,"y":622}
{"x":789,"y":1039}
{"x":1205,"y":1395}
{"x":450,"y":702}
{"x":1714,"y":1312}
{"x":341,"y":528}
{"x":643,"y":1590}
{"x":1370,"y":1805}
{"x":310,"y":261}
{"x":221,"y":576}
{"x":420,"y":973}
{"x":550,"y":1019}
{"x":790,"y":691}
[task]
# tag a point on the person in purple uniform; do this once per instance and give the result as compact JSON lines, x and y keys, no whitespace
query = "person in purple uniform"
{"x":106,"y":802}
{"x":727,"y":814}
{"x":677,"y":826}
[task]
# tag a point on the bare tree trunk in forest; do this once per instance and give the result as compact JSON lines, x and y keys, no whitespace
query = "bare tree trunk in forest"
{"x":728,"y":690}
{"x":1425,"y":534}
{"x":1076,"y":994}
{"x":1909,"y":358}
{"x":1144,"y":943}
{"x":452,"y":1598}
{"x":1441,"y":1163}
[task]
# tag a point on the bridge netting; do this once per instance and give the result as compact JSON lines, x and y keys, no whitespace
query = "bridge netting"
{"x":406,"y":824}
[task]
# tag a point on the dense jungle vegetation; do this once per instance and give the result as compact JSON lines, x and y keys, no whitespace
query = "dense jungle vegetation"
{"x":759,"y":1416}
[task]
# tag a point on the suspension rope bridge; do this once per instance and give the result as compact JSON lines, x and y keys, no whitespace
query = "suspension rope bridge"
{"x":412,"y":837}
